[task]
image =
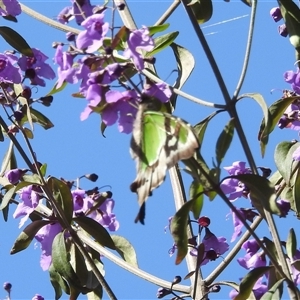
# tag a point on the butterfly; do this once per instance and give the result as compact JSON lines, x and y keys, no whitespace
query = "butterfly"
{"x":159,"y":141}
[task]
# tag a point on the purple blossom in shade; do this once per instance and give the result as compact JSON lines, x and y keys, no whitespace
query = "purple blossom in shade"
{"x":138,"y":40}
{"x":284,"y":207}
{"x":253,"y":258}
{"x":211,"y":242}
{"x":30,"y":196}
{"x":46,"y":236}
{"x":282,"y":30}
{"x":232,"y":186}
{"x":66,"y":71}
{"x":160,"y":91}
{"x":86,"y":8}
{"x":248,"y":214}
{"x":37,"y":297}
{"x":120,"y":109}
{"x":12,"y":8}
{"x":78,"y":199}
{"x":65,"y":15}
{"x":259,"y":289}
{"x":9,"y":73}
{"x":92,"y":38}
{"x":290,"y":118}
{"x":35,"y":67}
{"x":295,"y":272}
{"x":275,"y":13}
{"x":296,"y":154}
{"x":14,"y":175}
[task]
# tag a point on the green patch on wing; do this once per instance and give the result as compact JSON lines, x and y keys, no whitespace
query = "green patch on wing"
{"x":159,"y":141}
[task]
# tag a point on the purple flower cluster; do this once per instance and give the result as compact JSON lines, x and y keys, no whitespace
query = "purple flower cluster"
{"x":35,"y":68}
{"x":31,"y":197}
{"x":10,"y":8}
{"x":97,"y":69}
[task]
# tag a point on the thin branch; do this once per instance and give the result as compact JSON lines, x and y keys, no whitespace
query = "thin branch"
{"x":167,"y":13}
{"x":48,"y":21}
{"x":183,"y":94}
{"x":247,"y":52}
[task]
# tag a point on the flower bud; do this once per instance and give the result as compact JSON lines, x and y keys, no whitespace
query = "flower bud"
{"x":162,"y":292}
{"x":284,"y":207}
{"x":176,"y":280}
{"x":38,"y":297}
{"x":92,"y":177}
{"x":204,"y":221}
{"x":18,"y":115}
{"x":283,"y":30}
{"x":275,"y":13}
{"x":7,"y":286}
{"x":14,"y":175}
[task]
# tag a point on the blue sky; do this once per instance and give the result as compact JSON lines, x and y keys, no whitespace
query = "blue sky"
{"x":73,"y":148}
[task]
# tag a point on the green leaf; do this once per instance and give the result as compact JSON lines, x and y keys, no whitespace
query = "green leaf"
{"x":38,"y":117}
{"x":185,"y":66}
{"x":61,"y":262}
{"x":43,"y":169}
{"x":62,"y":196}
{"x":158,"y":28}
{"x":224,"y":141}
{"x":197,"y":195}
{"x":55,"y":90}
{"x":271,"y":248}
{"x":283,"y":158}
{"x":16,"y":41}
{"x":27,"y":235}
{"x":178,"y":230}
{"x":265,"y":132}
{"x":295,"y":203}
{"x":125,"y":250}
{"x":291,"y":244}
{"x":200,"y":128}
{"x":249,"y":281}
{"x":96,"y":230}
{"x":202,"y":9}
{"x":262,"y":192}
{"x":271,"y":294}
{"x":291,"y":14}
{"x":236,"y":287}
{"x":162,"y":42}
{"x":296,"y":264}
{"x":7,"y":197}
{"x":30,"y":179}
{"x":276,"y":110}
{"x":58,"y":283}
{"x":9,"y":161}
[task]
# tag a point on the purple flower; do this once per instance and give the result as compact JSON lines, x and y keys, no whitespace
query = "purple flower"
{"x":290,"y":118}
{"x":275,"y":13}
{"x":67,"y":71}
{"x":85,"y":7}
{"x":248,"y":214}
{"x":65,"y":15}
{"x":120,"y":109}
{"x":14,"y":175}
{"x":37,"y":297}
{"x":9,"y":73}
{"x":12,"y":8}
{"x":284,"y":207}
{"x":259,"y":289}
{"x":30,"y":196}
{"x":35,"y":67}
{"x":92,"y":38}
{"x":138,"y":40}
{"x":160,"y":91}
{"x":282,"y":30}
{"x":253,"y":258}
{"x":46,"y":236}
{"x":233,"y":186}
{"x":78,"y":202}
{"x":211,"y":242}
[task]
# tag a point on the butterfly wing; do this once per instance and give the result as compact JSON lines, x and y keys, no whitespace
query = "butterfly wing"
{"x":158,"y":142}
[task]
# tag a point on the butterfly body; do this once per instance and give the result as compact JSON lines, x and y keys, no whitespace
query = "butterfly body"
{"x":159,"y":140}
